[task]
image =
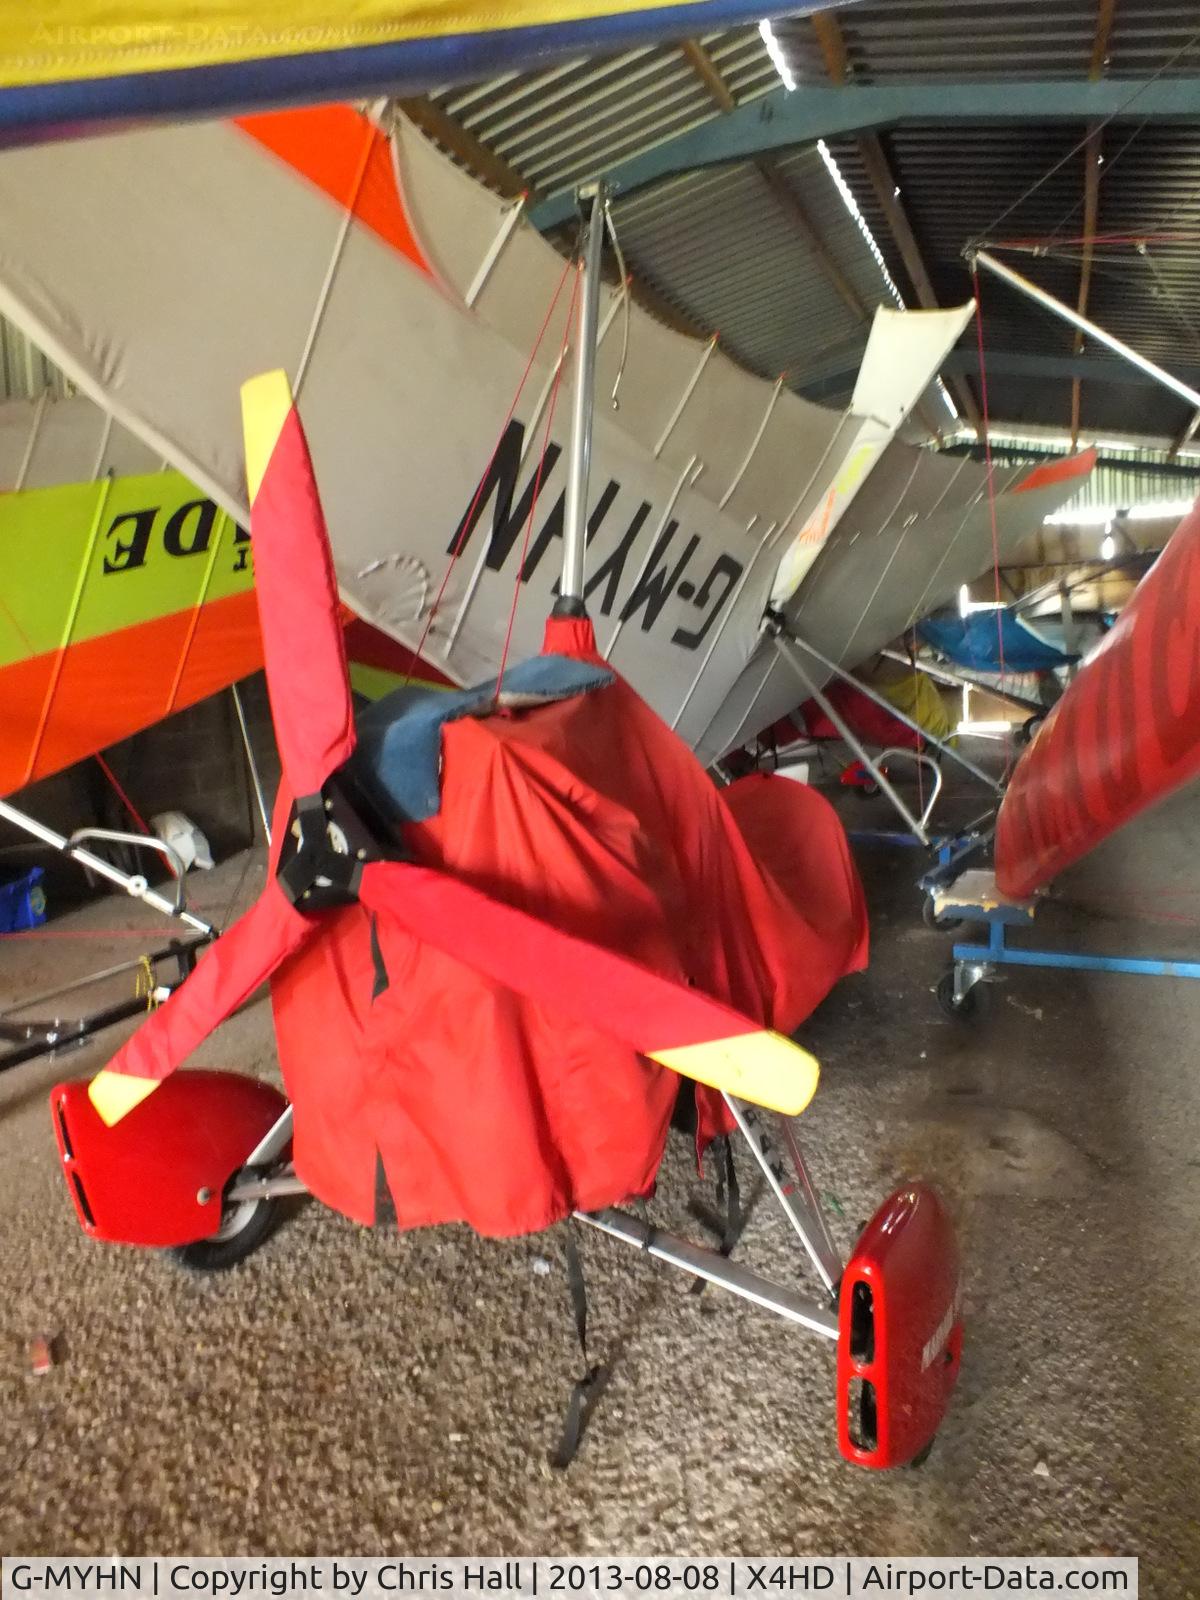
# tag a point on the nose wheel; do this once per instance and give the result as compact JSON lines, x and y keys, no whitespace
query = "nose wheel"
{"x":245,"y":1224}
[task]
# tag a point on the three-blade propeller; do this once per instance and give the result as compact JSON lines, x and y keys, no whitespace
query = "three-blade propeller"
{"x":678,"y":1026}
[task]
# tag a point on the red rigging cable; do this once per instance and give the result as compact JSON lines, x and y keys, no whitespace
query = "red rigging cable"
{"x":122,"y":796}
{"x":1047,"y":242}
{"x":537,"y":482}
{"x":469,"y":519}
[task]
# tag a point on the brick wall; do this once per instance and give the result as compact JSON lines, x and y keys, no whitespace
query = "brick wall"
{"x":193,"y":762}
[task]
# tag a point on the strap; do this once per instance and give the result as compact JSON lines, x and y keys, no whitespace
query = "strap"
{"x":385,"y":1206}
{"x":587,"y":1389}
{"x":729,"y":1199}
{"x":381,"y":972}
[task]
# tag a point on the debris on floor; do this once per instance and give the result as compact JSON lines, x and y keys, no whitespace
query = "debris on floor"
{"x":41,"y":1354}
{"x":1030,"y":1011}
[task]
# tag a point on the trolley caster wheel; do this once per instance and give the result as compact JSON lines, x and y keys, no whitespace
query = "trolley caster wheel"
{"x":959,"y":1009}
{"x":1024,"y":733}
{"x":930,"y":918}
{"x":868,"y":790}
{"x":245,"y":1224}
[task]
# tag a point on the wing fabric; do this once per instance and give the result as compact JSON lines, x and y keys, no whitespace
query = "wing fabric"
{"x":1125,"y":734}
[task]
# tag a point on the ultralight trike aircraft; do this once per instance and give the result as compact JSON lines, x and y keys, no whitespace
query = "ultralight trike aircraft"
{"x":512,"y":918}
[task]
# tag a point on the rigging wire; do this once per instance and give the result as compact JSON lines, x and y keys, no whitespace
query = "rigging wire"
{"x":1141,"y":88}
{"x":991,"y":489}
{"x":123,"y":797}
{"x":1106,"y":167}
{"x":469,"y":519}
{"x":1169,"y":295}
{"x":626,"y":291}
{"x":1045,"y":245}
{"x":537,"y":482}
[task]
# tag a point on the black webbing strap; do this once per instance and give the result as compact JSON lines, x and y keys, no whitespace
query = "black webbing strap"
{"x":381,"y":972}
{"x":586,"y":1390}
{"x":385,"y":1206}
{"x":729,"y":1199}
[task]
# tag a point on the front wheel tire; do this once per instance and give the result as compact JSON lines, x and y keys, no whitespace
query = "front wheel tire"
{"x":245,"y":1225}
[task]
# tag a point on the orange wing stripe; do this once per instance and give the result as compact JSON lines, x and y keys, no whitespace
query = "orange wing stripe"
{"x":224,"y":647}
{"x":347,"y":157}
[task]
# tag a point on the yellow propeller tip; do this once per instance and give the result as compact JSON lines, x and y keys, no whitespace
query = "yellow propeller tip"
{"x":763,"y":1067}
{"x":266,"y":402}
{"x":114,"y":1095}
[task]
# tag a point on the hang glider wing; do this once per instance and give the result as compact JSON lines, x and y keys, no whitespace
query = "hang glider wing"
{"x":903,"y":354}
{"x":992,"y":641}
{"x":1125,"y":734}
{"x":116,"y":573}
{"x":406,"y":385}
{"x":893,"y":559}
{"x":413,"y":327}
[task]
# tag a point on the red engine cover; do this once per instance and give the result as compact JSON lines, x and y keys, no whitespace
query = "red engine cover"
{"x":900,"y":1332}
{"x":139,"y":1181}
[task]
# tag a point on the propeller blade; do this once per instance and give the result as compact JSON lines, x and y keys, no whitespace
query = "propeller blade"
{"x":679,"y":1027}
{"x":226,"y":977}
{"x":298,"y":607}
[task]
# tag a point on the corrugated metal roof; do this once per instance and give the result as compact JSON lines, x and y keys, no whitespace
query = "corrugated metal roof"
{"x":25,"y":372}
{"x":721,"y":245}
{"x":1020,"y":39}
{"x":566,"y":122}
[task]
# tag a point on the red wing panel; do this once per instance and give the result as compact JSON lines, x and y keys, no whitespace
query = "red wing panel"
{"x":1125,"y":734}
{"x":1052,"y":472}
{"x":900,"y":1334}
{"x":142,"y":1181}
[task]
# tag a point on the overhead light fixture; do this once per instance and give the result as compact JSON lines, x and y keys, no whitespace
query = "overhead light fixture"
{"x":775,"y":51}
{"x":851,"y":205}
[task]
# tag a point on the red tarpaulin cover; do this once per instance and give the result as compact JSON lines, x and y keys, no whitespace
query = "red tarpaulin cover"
{"x":481,"y":1107}
{"x":1125,"y":734}
{"x":869,"y":721}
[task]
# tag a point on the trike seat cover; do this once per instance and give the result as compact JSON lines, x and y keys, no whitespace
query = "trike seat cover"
{"x":422,"y":1087}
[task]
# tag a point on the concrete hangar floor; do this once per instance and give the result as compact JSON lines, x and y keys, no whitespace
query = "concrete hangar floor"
{"x":375,"y":1392}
